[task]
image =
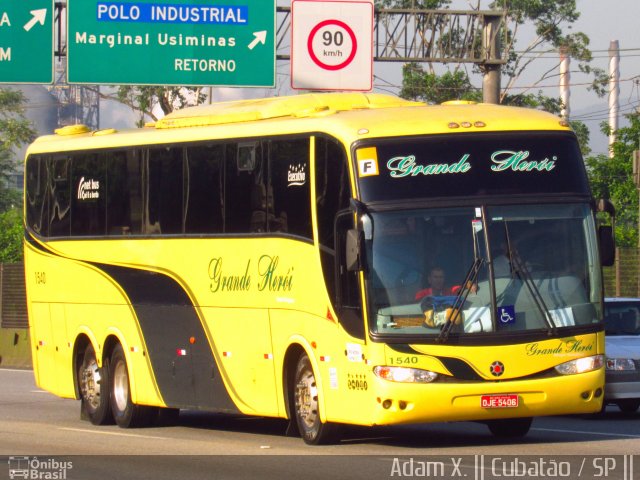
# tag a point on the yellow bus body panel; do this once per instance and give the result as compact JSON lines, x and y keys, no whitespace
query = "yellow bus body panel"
{"x":257,"y":298}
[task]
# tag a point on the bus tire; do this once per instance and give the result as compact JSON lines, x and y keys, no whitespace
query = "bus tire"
{"x":306,"y":407}
{"x":510,"y":427}
{"x":125,"y":412}
{"x":93,"y":383}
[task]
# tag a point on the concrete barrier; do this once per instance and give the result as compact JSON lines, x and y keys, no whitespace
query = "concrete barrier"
{"x":15,"y":350}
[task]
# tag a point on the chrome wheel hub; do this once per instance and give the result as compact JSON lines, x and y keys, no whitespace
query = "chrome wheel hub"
{"x":121,"y":386}
{"x":307,"y":399}
{"x":90,"y":383}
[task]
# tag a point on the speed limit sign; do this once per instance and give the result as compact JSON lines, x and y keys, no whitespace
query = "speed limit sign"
{"x":331,"y":45}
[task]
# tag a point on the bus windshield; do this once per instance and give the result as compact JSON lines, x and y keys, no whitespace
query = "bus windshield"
{"x":482,"y":270}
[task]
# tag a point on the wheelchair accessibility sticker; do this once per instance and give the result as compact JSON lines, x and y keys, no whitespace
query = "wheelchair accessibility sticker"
{"x":507,"y":314}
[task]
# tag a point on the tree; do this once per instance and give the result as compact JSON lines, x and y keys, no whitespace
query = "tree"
{"x":612,"y":178}
{"x":549,"y":17}
{"x":415,"y":4}
{"x":420,"y":85}
{"x":15,"y":130}
{"x":431,"y":88}
{"x":145,"y":99}
{"x":11,"y":233}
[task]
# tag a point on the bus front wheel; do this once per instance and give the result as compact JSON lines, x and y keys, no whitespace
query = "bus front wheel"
{"x":306,"y":405}
{"x":125,"y":412}
{"x":94,"y":388}
{"x":510,"y":427}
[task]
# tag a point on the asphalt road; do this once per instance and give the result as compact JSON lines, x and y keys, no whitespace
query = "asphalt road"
{"x":37,"y":425}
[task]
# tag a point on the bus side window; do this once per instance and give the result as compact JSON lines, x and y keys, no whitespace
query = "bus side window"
{"x":36,"y":196}
{"x":289,"y":192}
{"x":59,"y":196}
{"x":261,"y":200}
{"x":203,"y":191}
{"x":124,"y":192}
{"x":332,"y":195}
{"x":164,"y":213}
{"x":348,"y":303}
{"x":241,"y":177}
{"x":88,"y":199}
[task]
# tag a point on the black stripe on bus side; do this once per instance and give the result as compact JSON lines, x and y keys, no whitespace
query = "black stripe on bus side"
{"x":31,"y":240}
{"x":186,"y":373}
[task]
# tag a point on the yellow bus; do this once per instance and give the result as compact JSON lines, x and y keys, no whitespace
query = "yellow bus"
{"x":325,"y":258}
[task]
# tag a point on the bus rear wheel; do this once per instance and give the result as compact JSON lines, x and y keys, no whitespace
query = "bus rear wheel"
{"x":510,"y":427}
{"x":125,"y":412}
{"x":306,"y":407}
{"x":93,"y":382}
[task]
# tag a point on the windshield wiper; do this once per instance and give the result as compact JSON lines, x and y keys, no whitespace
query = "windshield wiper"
{"x":519,"y":267}
{"x":461,"y":298}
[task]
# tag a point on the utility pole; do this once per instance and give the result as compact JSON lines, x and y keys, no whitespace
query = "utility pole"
{"x":491,"y":68}
{"x":614,"y":91}
{"x":565,"y":83}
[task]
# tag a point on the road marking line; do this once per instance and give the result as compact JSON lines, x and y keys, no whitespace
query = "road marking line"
{"x":16,"y":370}
{"x":111,"y":433}
{"x":604,"y":434}
{"x":39,"y":391}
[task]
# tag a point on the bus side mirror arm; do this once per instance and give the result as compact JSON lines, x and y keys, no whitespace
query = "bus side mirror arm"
{"x":353,"y":254}
{"x":606,"y":234}
{"x":607,"y":244}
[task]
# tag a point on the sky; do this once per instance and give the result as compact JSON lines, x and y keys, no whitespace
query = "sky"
{"x":601,"y":20}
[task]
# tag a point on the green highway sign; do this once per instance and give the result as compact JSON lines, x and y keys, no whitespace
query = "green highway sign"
{"x":26,"y":41}
{"x":171,"y":42}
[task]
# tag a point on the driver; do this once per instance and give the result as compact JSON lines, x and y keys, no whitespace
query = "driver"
{"x":437,"y":286}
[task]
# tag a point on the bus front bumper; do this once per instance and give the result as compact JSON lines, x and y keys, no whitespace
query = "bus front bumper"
{"x":398,"y":403}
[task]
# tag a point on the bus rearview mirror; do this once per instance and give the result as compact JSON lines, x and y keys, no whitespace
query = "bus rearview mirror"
{"x":607,"y":245}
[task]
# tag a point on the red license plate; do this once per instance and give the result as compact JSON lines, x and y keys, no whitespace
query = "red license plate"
{"x":499,"y":401}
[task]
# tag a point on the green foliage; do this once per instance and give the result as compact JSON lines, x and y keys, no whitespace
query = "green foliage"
{"x":431,"y":88}
{"x":144,"y":99}
{"x":415,"y":4}
{"x":11,"y":232}
{"x":582,"y":132}
{"x":15,"y":129}
{"x":549,"y":17}
{"x":612,"y":178}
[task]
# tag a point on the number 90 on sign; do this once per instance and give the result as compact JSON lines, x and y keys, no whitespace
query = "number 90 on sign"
{"x":332,"y":45}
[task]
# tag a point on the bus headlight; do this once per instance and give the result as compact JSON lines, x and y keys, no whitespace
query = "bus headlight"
{"x":404,"y":374}
{"x":581,"y":365}
{"x":620,"y":364}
